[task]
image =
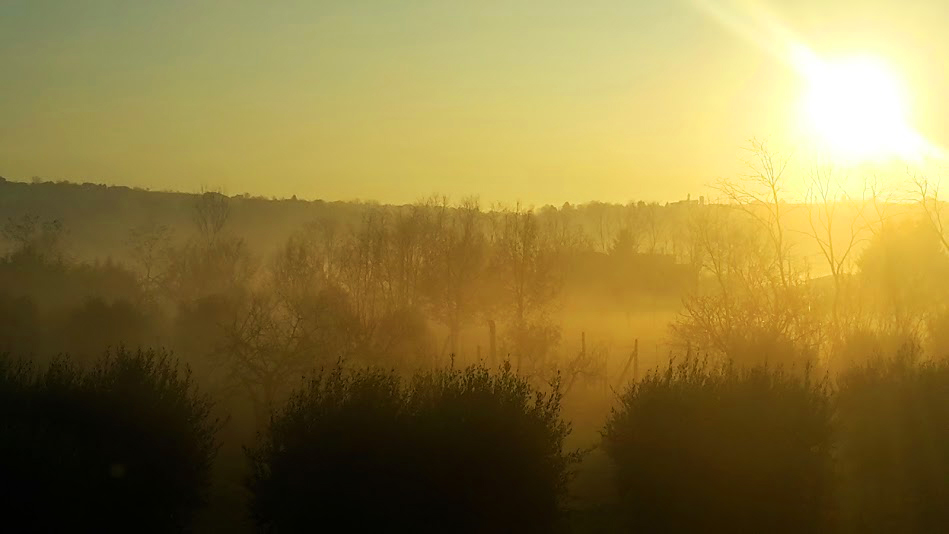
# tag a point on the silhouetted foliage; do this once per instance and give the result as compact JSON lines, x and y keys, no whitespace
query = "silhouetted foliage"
{"x":449,"y":451}
{"x":894,"y":440}
{"x":62,"y":285}
{"x":698,"y":448}
{"x":124,"y":447}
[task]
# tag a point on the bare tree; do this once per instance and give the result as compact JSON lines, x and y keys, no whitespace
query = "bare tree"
{"x":631,"y":229}
{"x":522,"y":263}
{"x":362,"y":266}
{"x":457,"y":262}
{"x":211,"y":262}
{"x":150,"y":248}
{"x":407,"y":250}
{"x":654,"y":226}
{"x":563,"y":231}
{"x":211,"y":212}
{"x":824,"y":198}
{"x":760,"y":194}
{"x":758,"y":302}
{"x":932,"y":207}
{"x":603,"y":224}
{"x":295,"y":320}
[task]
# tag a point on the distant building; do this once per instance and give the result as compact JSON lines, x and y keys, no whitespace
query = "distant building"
{"x":688,"y":201}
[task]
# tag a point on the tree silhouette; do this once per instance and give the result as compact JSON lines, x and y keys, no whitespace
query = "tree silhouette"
{"x":363,"y":451}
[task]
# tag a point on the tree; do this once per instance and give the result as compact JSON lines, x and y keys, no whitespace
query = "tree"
{"x":760,"y":194}
{"x":150,"y":246}
{"x":524,"y":270}
{"x":456,"y":265}
{"x":211,"y":262}
{"x":361,"y":267}
{"x":903,"y":273}
{"x":757,"y":302}
{"x":272,"y":335}
{"x":653,"y":222}
{"x":211,"y":211}
{"x":823,"y":216}
{"x":407,"y":251}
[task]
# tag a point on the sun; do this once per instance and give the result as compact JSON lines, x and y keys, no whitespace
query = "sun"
{"x":856,"y":109}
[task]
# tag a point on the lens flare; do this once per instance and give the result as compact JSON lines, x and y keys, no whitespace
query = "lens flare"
{"x":854,"y":109}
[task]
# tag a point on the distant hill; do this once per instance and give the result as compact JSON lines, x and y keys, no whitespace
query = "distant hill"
{"x":98,"y":218}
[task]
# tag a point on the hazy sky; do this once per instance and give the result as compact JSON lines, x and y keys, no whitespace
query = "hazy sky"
{"x":543,"y":101}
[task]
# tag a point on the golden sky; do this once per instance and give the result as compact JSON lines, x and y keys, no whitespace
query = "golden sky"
{"x":541,"y":101}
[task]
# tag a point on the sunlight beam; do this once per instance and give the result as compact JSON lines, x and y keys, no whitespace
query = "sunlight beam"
{"x":855,"y":108}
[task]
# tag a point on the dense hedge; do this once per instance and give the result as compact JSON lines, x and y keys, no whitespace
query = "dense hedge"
{"x":893,"y":433}
{"x":702,"y":448}
{"x":125,"y":446}
{"x":447,"y":451}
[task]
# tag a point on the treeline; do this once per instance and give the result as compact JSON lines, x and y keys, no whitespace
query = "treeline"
{"x":99,"y":216}
{"x":821,"y":281}
{"x":400,"y":288}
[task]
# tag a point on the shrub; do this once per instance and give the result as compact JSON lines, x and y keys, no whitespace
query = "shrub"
{"x":894,"y":445}
{"x":496,"y":445}
{"x":126,"y":446}
{"x":448,"y":451}
{"x":700,"y":448}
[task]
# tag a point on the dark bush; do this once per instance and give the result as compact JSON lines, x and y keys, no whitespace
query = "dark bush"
{"x":124,"y":447}
{"x":701,"y":448}
{"x":449,"y":451}
{"x":894,"y":445}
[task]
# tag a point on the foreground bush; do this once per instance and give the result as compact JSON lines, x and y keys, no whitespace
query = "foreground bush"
{"x":449,"y":451}
{"x":124,"y":447}
{"x":894,"y":445}
{"x":698,"y":448}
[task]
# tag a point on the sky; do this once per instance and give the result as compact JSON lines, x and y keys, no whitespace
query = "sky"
{"x":538,"y":101}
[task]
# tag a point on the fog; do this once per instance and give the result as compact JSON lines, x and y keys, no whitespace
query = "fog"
{"x":741,"y":361}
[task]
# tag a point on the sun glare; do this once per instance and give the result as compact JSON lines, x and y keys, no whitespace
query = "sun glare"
{"x":856,"y":109}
